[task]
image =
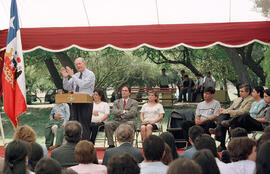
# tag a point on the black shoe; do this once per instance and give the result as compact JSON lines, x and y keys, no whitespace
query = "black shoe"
{"x":221,"y":148}
{"x":111,"y":146}
{"x":225,"y":123}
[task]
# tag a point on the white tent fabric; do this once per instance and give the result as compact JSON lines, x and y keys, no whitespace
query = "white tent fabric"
{"x":74,"y":13}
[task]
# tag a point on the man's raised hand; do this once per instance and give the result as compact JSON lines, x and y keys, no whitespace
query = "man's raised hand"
{"x":64,"y":72}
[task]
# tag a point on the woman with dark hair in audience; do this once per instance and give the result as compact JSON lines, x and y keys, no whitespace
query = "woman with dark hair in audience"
{"x":167,"y":157}
{"x":85,"y":154}
{"x":123,"y":164}
{"x":243,"y":155}
{"x":16,"y":158}
{"x":184,"y":166}
{"x":26,"y":133}
{"x":207,"y":161}
{"x":151,"y":115}
{"x":101,"y":111}
{"x":263,"y":159}
{"x":35,"y":154}
{"x":169,"y":139}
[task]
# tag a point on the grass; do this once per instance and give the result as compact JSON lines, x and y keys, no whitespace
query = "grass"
{"x":38,"y":117}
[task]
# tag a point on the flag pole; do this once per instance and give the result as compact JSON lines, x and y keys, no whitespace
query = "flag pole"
{"x":1,"y":128}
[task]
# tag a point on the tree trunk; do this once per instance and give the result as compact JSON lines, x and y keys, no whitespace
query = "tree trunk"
{"x":238,"y":65}
{"x":54,"y":73}
{"x":65,"y":60}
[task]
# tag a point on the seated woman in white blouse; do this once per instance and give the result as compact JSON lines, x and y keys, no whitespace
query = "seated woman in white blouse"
{"x":101,"y":111}
{"x":151,"y":115}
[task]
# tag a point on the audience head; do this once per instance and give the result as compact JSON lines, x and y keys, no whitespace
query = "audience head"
{"x":208,"y":73}
{"x":265,"y":137}
{"x":244,"y":90}
{"x":238,"y":132}
{"x":85,"y":152}
{"x":207,"y":161}
{"x":125,"y":92}
{"x":73,"y":131}
{"x":182,"y":72}
{"x":15,"y":157}
{"x":167,"y":157}
{"x":25,"y":133}
{"x":194,"y":132}
{"x":267,"y":129}
{"x":205,"y":141}
{"x":153,"y":148}
{"x":48,"y":166}
{"x":124,"y":133}
{"x":198,"y":76}
{"x":208,"y":94}
{"x":163,"y":71}
{"x":266,"y":96}
{"x":263,"y":159}
{"x":153,"y":96}
{"x":36,"y":153}
{"x":184,"y":166}
{"x":242,"y":148}
{"x":100,"y":95}
{"x":257,"y":92}
{"x":186,"y":77}
{"x":123,"y":164}
{"x":168,"y":138}
{"x":209,"y":90}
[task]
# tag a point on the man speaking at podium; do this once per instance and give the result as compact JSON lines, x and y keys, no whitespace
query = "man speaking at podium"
{"x":81,"y":82}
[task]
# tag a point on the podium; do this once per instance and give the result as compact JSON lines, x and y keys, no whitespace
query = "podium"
{"x":73,"y":98}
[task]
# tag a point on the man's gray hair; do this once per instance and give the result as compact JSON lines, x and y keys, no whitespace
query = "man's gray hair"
{"x":80,"y":58}
{"x":124,"y":133}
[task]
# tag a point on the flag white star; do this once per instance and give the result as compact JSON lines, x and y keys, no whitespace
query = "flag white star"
{"x":11,"y":24}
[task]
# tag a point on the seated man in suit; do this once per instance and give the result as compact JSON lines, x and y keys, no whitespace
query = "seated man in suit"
{"x":65,"y":154}
{"x":124,"y":135}
{"x":124,"y":111}
{"x":240,"y":106}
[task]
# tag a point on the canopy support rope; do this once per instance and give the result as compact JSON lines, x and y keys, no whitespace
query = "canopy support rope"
{"x":157,"y":12}
{"x":88,"y":21}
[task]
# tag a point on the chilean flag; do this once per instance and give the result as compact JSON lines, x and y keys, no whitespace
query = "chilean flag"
{"x":13,"y":79}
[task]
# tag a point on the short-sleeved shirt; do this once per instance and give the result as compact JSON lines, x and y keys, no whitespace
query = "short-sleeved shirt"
{"x":102,"y":108}
{"x":152,"y":112}
{"x":164,"y":80}
{"x":256,"y":107}
{"x":209,"y":82}
{"x":206,"y":110}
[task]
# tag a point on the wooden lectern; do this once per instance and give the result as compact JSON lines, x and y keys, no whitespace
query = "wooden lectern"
{"x":73,"y":98}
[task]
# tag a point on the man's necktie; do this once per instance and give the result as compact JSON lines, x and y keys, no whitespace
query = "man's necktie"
{"x":124,"y":105}
{"x":77,"y":86}
{"x":239,"y":104}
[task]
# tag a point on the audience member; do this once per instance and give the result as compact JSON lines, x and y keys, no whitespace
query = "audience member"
{"x":65,"y":154}
{"x":124,"y":135}
{"x":48,"y":166}
{"x":164,"y":79}
{"x":26,"y":133}
{"x":259,"y":103}
{"x":180,"y":82}
{"x":59,"y":116}
{"x":36,"y":153}
{"x":263,"y":159}
{"x":259,"y":122}
{"x":243,"y":155}
{"x":124,"y":111}
{"x":16,"y":158}
{"x":198,"y":88}
{"x":265,"y":137}
{"x":187,"y":87}
{"x":123,"y":164}
{"x":209,"y":81}
{"x":207,"y":161}
{"x":240,"y":106}
{"x":184,"y":166}
{"x":101,"y":111}
{"x":168,"y":138}
{"x":193,"y":132}
{"x":206,"y":113}
{"x":153,"y":150}
{"x":151,"y":115}
{"x":205,"y":141}
{"x":85,"y":154}
{"x":167,"y":157}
